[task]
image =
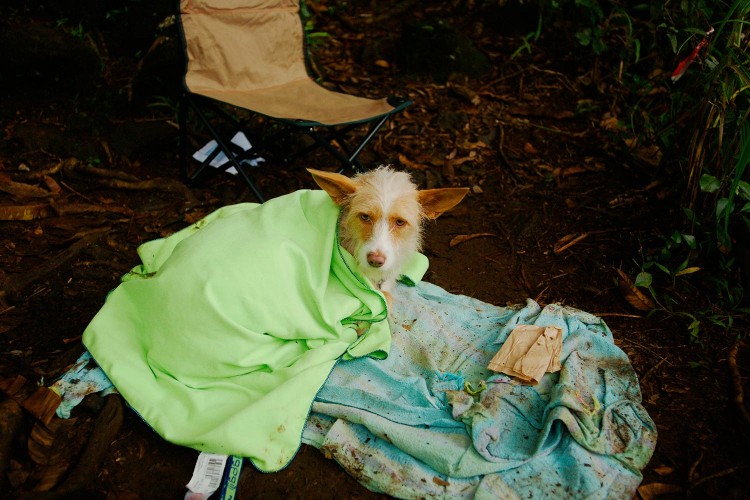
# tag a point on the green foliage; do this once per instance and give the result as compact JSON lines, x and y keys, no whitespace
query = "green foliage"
{"x":531,"y":37}
{"x":76,"y":30}
{"x":313,"y":38}
{"x":698,"y":122}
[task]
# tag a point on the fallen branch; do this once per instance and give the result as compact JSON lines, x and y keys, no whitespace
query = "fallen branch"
{"x":25,"y":212}
{"x":716,"y":475}
{"x":11,"y":418}
{"x":462,"y":238}
{"x":120,"y":180}
{"x":13,"y":285}
{"x":106,"y":427}
{"x":739,"y":398}
{"x":84,"y":208}
{"x":74,"y":167}
{"x":21,"y":189}
{"x":33,"y":175}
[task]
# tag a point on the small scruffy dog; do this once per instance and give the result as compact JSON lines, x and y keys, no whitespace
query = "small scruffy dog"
{"x":381,"y":218}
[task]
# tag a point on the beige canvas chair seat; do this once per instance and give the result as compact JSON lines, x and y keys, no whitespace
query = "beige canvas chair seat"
{"x":251,"y":54}
{"x":302,"y":100}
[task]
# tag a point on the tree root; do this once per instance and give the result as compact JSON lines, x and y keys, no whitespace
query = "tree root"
{"x":106,"y":427}
{"x":11,"y":417}
{"x":13,"y":285}
{"x":739,"y":398}
{"x":121,"y":180}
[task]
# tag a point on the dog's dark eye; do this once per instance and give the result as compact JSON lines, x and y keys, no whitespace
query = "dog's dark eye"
{"x":364,"y":217}
{"x":400,"y":222}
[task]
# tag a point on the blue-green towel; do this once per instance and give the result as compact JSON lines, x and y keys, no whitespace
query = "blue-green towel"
{"x":432,"y":421}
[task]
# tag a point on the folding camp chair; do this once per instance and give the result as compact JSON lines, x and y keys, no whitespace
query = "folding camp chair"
{"x":251,"y":54}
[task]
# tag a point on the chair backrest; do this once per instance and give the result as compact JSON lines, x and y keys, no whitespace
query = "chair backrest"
{"x":242,"y":44}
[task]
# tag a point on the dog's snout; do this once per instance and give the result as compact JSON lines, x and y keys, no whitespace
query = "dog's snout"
{"x":376,"y":259}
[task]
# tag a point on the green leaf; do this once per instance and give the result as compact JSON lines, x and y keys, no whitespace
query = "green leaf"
{"x":673,"y":41}
{"x":709,"y":183}
{"x":722,"y":206}
{"x":682,"y":266}
{"x":637,"y":44}
{"x":694,"y":328}
{"x":690,"y":241}
{"x":689,"y":214}
{"x":644,"y":279}
{"x":663,"y":269}
{"x":743,"y":190}
{"x":584,"y":37}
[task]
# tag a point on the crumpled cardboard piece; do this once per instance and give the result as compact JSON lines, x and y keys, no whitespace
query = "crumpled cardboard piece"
{"x":529,"y":352}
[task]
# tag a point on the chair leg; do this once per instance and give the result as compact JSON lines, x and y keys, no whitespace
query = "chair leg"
{"x":182,"y":147}
{"x":348,"y":159}
{"x":221,"y":146}
{"x":373,"y":130}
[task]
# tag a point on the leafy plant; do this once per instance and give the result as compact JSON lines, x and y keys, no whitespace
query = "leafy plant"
{"x":705,"y":133}
{"x":697,"y":124}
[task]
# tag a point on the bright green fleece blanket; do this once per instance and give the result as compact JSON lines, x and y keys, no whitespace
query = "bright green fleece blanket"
{"x":221,"y":339}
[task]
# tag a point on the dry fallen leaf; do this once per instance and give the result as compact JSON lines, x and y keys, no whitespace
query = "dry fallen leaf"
{"x":410,"y":164}
{"x":654,"y":490}
{"x":609,"y":122}
{"x":633,"y":295}
{"x":462,"y":238}
{"x":663,"y":470}
{"x":688,"y":270}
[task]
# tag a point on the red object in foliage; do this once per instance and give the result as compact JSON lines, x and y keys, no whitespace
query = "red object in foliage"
{"x":683,"y":66}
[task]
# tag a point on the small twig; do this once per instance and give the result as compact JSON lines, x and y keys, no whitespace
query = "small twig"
{"x":652,"y":370}
{"x":649,"y":350}
{"x":501,"y":152}
{"x":619,"y":315}
{"x":77,"y":193}
{"x":553,"y":129}
{"x":572,"y":242}
{"x":396,"y":11}
{"x":539,"y":296}
{"x":693,"y":468}
{"x":526,"y":283}
{"x":715,"y":475}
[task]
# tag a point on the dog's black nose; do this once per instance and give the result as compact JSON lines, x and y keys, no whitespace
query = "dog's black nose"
{"x":376,"y":259}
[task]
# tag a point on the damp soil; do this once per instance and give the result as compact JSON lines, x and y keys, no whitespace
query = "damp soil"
{"x":557,"y":206}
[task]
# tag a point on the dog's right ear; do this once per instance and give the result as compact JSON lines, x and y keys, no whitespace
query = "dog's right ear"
{"x":436,"y":201}
{"x":339,"y":187}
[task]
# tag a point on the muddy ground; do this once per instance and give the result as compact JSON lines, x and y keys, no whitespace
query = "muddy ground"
{"x":558,"y":206}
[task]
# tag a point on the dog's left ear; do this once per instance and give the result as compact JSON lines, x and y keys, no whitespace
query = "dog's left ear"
{"x":339,"y":187}
{"x":436,"y":201}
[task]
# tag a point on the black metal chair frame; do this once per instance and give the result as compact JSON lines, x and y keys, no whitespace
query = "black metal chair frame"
{"x":323,"y":136}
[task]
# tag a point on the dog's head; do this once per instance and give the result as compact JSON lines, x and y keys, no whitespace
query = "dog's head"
{"x":382,"y":215}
